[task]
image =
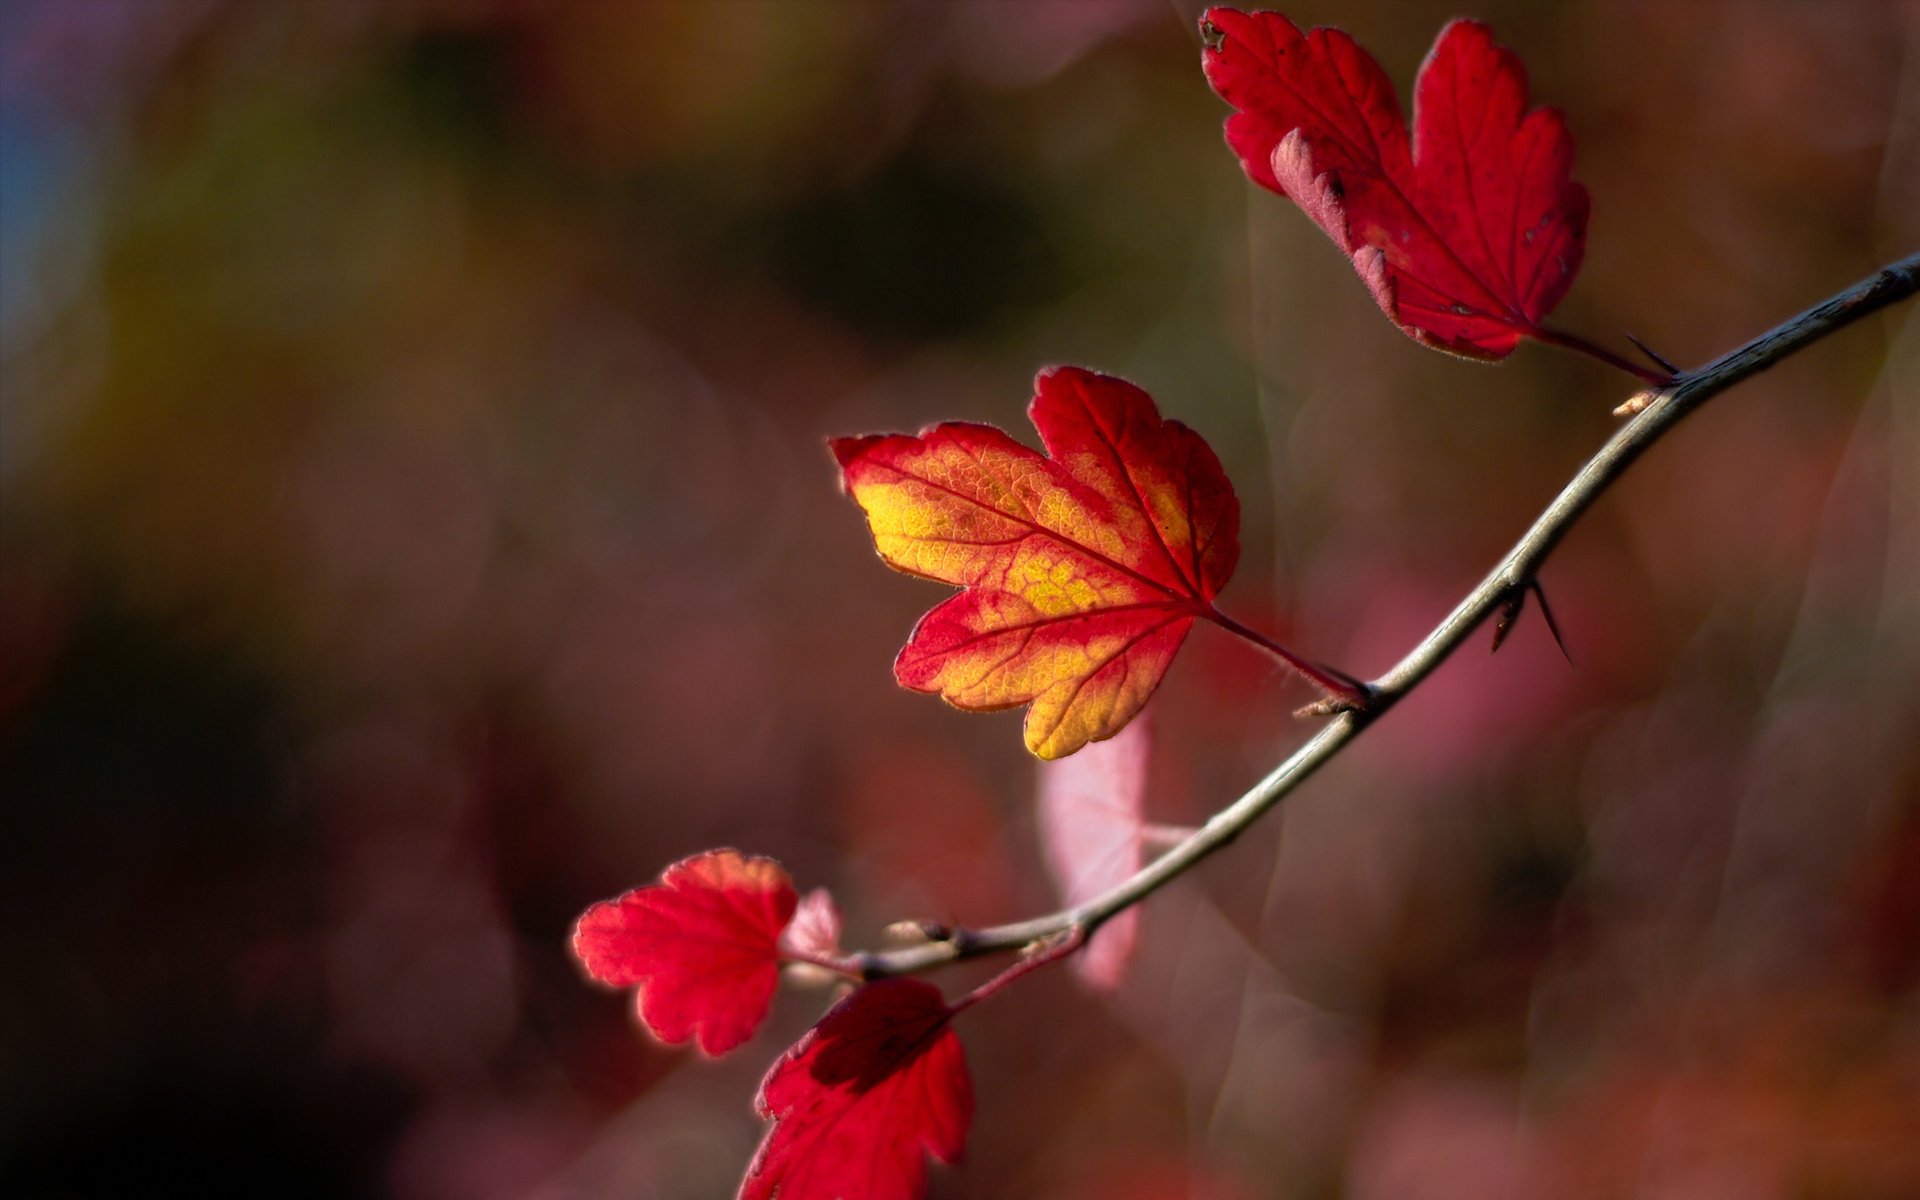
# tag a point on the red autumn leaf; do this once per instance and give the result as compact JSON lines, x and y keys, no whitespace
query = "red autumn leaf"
{"x":859,"y":1101}
{"x":1468,"y":233}
{"x":702,"y":946}
{"x":1083,"y":568}
{"x":1091,"y":828}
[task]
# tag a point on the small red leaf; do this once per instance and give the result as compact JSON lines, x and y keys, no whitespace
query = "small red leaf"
{"x":702,"y":946}
{"x":859,"y":1101}
{"x":1083,"y":568}
{"x":1469,"y":232}
{"x":1091,"y":828}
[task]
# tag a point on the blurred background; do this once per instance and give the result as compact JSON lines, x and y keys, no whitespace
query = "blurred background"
{"x":416,"y":527}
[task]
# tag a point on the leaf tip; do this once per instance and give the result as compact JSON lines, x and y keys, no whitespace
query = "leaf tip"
{"x":848,"y":450}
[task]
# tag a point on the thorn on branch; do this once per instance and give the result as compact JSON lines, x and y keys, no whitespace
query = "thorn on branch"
{"x":1516,"y":603}
{"x":1553,"y":626}
{"x":1510,"y":610}
{"x":1658,"y":359}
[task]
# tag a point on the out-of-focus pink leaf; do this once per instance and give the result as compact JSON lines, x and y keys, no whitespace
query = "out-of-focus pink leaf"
{"x":814,"y":931}
{"x":1091,"y":828}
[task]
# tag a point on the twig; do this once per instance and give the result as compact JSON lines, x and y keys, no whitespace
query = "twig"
{"x":1660,"y":411}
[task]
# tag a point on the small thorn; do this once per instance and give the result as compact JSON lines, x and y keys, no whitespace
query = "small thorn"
{"x":1515,"y":604}
{"x":1509,"y":613}
{"x":1553,"y":626}
{"x":1658,"y":359}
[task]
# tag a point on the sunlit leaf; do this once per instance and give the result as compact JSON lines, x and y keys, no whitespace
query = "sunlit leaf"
{"x":702,"y":946}
{"x":861,"y":1100}
{"x":1083,"y":568}
{"x":1467,"y":232}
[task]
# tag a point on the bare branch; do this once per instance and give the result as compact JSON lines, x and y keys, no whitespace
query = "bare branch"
{"x":1656,"y":412}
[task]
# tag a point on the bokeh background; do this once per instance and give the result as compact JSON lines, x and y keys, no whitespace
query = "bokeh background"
{"x":417,"y":526}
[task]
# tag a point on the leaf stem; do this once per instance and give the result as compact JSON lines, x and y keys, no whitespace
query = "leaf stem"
{"x":1058,"y":946}
{"x":1574,"y":342}
{"x":1517,"y":569}
{"x":1346,"y":691}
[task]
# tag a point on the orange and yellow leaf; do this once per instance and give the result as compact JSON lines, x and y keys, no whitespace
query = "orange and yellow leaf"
{"x":1082,"y":569}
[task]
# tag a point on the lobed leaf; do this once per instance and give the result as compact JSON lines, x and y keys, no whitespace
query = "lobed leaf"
{"x":862,"y":1098}
{"x":1082,"y":568}
{"x":1467,"y":233}
{"x":701,"y":946}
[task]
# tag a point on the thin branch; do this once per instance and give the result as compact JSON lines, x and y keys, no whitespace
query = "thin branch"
{"x":1659,"y":412}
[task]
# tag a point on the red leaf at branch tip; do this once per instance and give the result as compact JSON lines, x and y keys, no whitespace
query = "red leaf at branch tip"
{"x":702,"y":946}
{"x":1091,"y":828}
{"x":1082,"y":568}
{"x":1469,"y":232}
{"x":860,"y":1100}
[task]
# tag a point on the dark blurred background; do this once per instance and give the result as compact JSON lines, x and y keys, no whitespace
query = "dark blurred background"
{"x":416,"y":527}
